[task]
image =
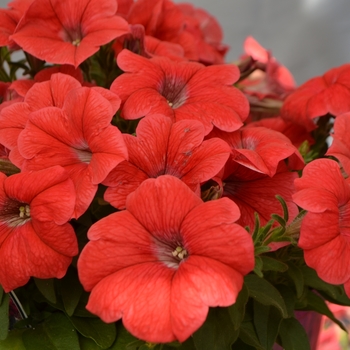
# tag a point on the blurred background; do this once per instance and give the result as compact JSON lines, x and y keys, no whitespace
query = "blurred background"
{"x":307,"y":36}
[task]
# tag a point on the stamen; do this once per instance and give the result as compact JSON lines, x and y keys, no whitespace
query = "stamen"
{"x":76,"y":42}
{"x":180,"y":253}
{"x":24,"y":211}
{"x":170,"y":103}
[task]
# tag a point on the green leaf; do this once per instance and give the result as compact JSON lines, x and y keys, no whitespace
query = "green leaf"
{"x":297,"y":277}
{"x":13,"y":341}
{"x":289,"y":298}
{"x":87,"y":344}
{"x":264,"y":292}
{"x":258,"y":266}
{"x":248,"y":335}
{"x":284,"y":207}
{"x":267,"y":321}
{"x":217,"y":332}
{"x":103,"y":334}
{"x":2,"y":293}
{"x":312,"y":280}
{"x":270,"y":264}
{"x":4,"y":316}
{"x":237,"y":310}
{"x":124,"y":338}
{"x":293,"y":335}
{"x":317,"y":304}
{"x":71,"y":290}
{"x":47,"y":288}
{"x":55,"y":333}
{"x":186,"y":345}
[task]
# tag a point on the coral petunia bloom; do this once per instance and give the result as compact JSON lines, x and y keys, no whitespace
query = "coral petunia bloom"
{"x":9,"y":19}
{"x":68,"y":31}
{"x":162,"y":147}
{"x":79,"y":136}
{"x":180,"y":90}
{"x":340,"y":147}
{"x":254,"y":192}
{"x":164,"y":260}
{"x":329,"y":93}
{"x":325,"y":229}
{"x":35,"y":236}
{"x":260,"y":149}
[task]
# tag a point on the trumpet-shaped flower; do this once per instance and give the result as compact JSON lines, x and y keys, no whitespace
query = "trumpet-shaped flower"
{"x":79,"y":136}
{"x":162,"y":147}
{"x":68,"y":31}
{"x":35,"y":236}
{"x":325,"y":233}
{"x":159,"y":260}
{"x":180,"y":91}
{"x":329,"y":93}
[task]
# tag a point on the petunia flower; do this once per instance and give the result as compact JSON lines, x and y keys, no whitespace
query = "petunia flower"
{"x":260,"y":149}
{"x":160,"y":148}
{"x":68,"y":31}
{"x":35,"y":236}
{"x":79,"y":136}
{"x":180,"y":91}
{"x":255,"y":192}
{"x":325,"y":233}
{"x":159,"y":266}
{"x":319,"y":96}
{"x":9,"y":19}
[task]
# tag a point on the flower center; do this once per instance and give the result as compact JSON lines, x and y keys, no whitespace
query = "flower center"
{"x":24,"y":211}
{"x":174,"y":90}
{"x":179,"y":253}
{"x":171,"y":252}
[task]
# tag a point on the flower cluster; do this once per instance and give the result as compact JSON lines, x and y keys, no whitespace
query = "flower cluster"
{"x":138,"y":166}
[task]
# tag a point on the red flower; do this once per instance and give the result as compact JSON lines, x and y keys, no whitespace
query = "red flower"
{"x":325,"y":230}
{"x":340,"y":147}
{"x":319,"y":96}
{"x":272,"y":79}
{"x":79,"y":136}
{"x":163,"y":20}
{"x":260,"y":149}
{"x":180,"y":90}
{"x":206,"y":32}
{"x":9,"y":19}
{"x":68,"y":32}
{"x":254,"y":192}
{"x":164,"y":260}
{"x":14,"y":118}
{"x":160,"y":148}
{"x":297,"y":134}
{"x":35,"y":238}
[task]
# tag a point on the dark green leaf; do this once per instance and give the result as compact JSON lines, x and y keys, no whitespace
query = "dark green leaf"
{"x":55,"y":333}
{"x":293,"y":335}
{"x":237,"y":310}
{"x":261,"y":250}
{"x":289,"y":298}
{"x":4,"y":316}
{"x":267,"y":320}
{"x":258,"y":266}
{"x":270,"y":264}
{"x":13,"y":341}
{"x":103,"y":334}
{"x":71,"y":290}
{"x":317,"y":304}
{"x":297,"y":277}
{"x":248,"y":335}
{"x":284,"y":207}
{"x":47,"y":288}
{"x":88,"y":344}
{"x":124,"y":338}
{"x":264,"y":292}
{"x":311,"y":279}
{"x":2,"y":293}
{"x":217,"y":332}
